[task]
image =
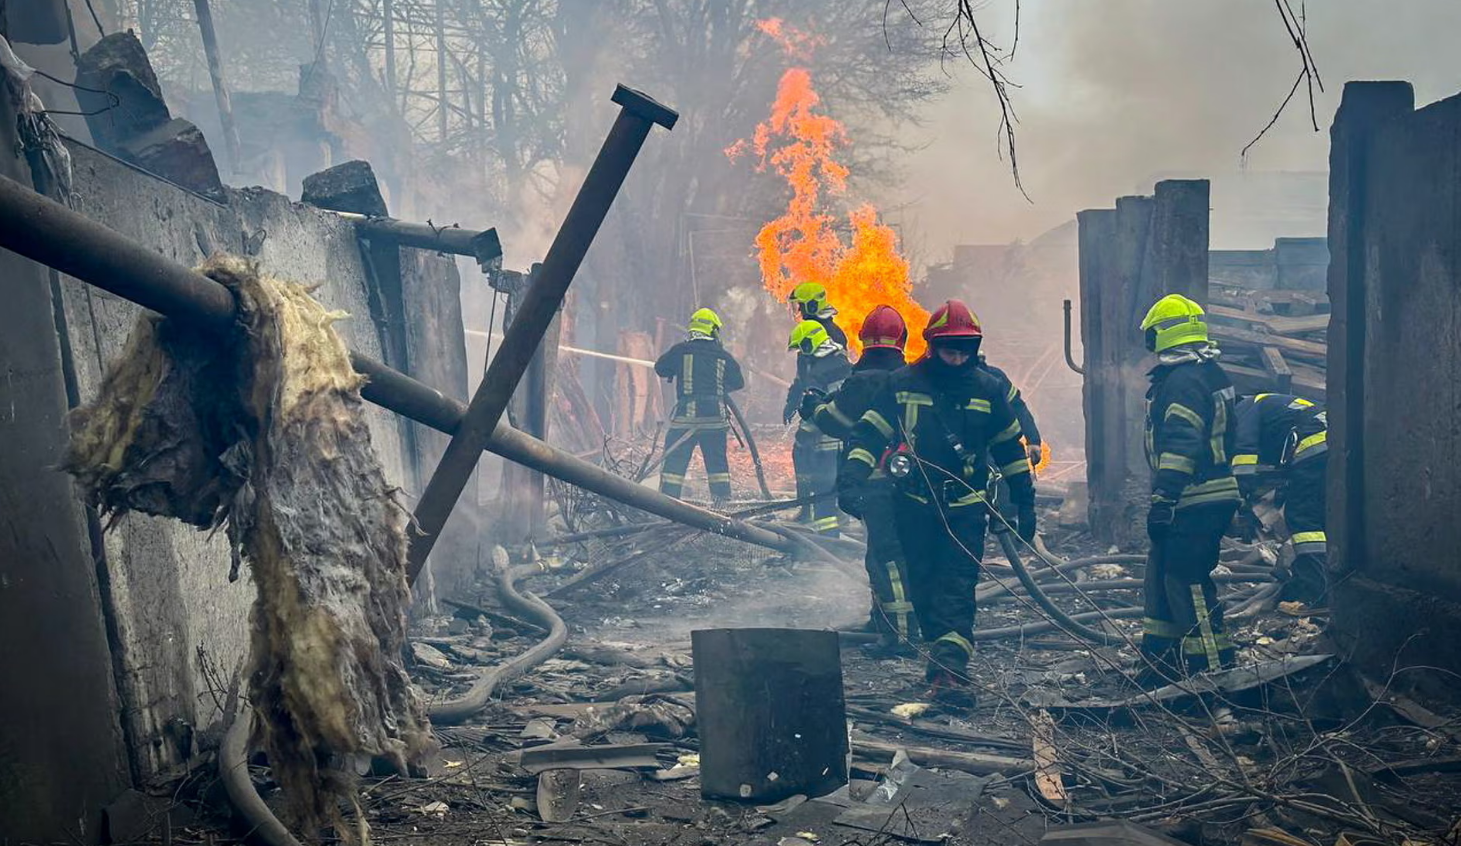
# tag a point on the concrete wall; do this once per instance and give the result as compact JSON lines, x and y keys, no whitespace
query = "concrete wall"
{"x":62,"y":755}
{"x":1130,"y":257}
{"x":181,"y":626}
{"x":1395,"y":376}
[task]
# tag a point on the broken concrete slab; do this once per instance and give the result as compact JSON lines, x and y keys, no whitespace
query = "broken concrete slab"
{"x":126,"y":99}
{"x":176,"y":151}
{"x":349,"y":187}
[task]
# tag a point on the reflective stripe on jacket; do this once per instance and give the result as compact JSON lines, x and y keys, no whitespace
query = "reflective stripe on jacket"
{"x":1190,"y":433}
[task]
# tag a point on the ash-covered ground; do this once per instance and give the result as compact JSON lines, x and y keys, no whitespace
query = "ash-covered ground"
{"x":1292,"y":745}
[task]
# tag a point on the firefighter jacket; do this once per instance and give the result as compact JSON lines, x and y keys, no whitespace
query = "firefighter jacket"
{"x":704,"y":373}
{"x":829,"y":322}
{"x":1017,"y":402}
{"x":824,"y":373}
{"x":1190,"y":432}
{"x":954,"y":424}
{"x":1277,"y":430}
{"x":845,"y":407}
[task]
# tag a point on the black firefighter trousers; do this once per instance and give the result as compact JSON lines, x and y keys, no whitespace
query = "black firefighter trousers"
{"x":814,"y":459}
{"x":1183,"y":616}
{"x":680,"y":443}
{"x":943,"y":545}
{"x":887,"y":568}
{"x":1303,"y":511}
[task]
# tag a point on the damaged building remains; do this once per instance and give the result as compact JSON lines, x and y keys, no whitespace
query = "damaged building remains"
{"x":410,"y":433}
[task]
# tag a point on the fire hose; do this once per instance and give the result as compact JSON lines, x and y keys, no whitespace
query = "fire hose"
{"x":1065,"y":621}
{"x":750,"y":445}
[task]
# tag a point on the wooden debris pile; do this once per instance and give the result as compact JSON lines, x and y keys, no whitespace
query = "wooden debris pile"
{"x":1272,"y":340}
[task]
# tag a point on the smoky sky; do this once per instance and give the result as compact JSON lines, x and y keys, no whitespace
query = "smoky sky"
{"x":1116,"y":92}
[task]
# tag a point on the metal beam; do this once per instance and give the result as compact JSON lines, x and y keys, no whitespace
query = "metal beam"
{"x":483,"y":246}
{"x":637,"y":115}
{"x":47,"y":232}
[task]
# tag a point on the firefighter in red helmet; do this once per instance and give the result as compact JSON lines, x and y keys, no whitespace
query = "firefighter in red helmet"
{"x":937,"y":427}
{"x":883,"y":335}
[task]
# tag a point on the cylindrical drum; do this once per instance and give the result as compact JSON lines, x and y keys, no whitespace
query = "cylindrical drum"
{"x":770,"y":713}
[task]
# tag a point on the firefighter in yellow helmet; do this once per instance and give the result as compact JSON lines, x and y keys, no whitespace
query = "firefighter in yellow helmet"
{"x":821,"y":365}
{"x":1190,"y":438}
{"x":810,"y":299}
{"x":703,"y":373}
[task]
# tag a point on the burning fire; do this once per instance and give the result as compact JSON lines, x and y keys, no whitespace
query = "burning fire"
{"x":802,"y":245}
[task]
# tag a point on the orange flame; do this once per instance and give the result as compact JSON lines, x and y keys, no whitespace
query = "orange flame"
{"x":802,"y":245}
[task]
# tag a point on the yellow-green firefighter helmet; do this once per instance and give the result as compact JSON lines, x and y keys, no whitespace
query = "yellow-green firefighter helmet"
{"x":810,"y":298}
{"x":705,"y":322}
{"x":807,"y":336}
{"x":1172,"y":321}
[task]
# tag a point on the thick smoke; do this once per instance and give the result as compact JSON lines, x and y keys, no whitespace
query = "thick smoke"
{"x":1114,"y":95}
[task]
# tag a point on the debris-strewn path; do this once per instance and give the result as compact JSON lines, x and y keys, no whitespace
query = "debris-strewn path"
{"x":1290,"y":743}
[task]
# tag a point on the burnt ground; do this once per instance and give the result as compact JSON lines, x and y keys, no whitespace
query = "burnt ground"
{"x":1310,"y":754}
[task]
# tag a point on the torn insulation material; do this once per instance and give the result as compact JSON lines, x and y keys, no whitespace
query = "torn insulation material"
{"x":263,"y":433}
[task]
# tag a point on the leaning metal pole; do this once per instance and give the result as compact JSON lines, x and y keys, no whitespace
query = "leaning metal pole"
{"x":48,"y":233}
{"x":637,"y":115}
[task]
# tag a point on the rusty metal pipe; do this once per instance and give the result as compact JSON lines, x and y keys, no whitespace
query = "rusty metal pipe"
{"x":47,"y":232}
{"x":638,"y":114}
{"x":1070,"y":359}
{"x":484,"y":246}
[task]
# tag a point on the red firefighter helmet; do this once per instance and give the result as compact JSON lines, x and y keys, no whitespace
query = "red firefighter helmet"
{"x":953,"y":320}
{"x":883,"y":328}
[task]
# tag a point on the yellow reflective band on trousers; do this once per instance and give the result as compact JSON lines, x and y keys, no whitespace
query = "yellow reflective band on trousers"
{"x":718,"y":477}
{"x":1153,"y":627}
{"x":1204,"y":628}
{"x":824,"y":524}
{"x":1310,"y":543}
{"x":900,"y":607}
{"x":958,"y":640}
{"x":1245,"y":465}
{"x":1180,"y":463}
{"x":1196,"y":646}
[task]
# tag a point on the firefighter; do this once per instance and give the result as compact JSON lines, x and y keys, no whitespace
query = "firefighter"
{"x":821,"y":365}
{"x":1030,"y":432}
{"x":1189,"y":442}
{"x":937,"y":427}
{"x":1290,"y":434}
{"x":1022,"y":411}
{"x":883,"y":335}
{"x":703,"y":373}
{"x":810,"y":299}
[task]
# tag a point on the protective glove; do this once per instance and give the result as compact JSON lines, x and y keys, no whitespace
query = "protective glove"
{"x":1034,"y":453}
{"x":1159,"y":518}
{"x":788,"y":414}
{"x":810,"y":400}
{"x":850,"y":501}
{"x":1025,"y":520}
